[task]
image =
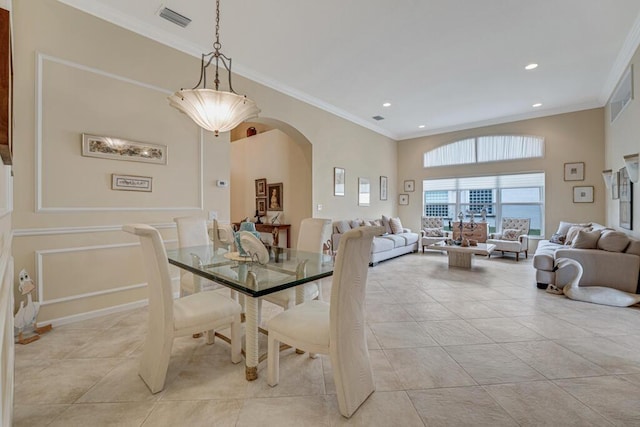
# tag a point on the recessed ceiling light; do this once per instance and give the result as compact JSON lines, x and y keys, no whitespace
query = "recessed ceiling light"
{"x":386,"y":104}
{"x":531,"y":66}
{"x":421,"y":126}
{"x":536,"y":105}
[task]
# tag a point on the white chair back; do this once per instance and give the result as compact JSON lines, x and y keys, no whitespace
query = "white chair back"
{"x":192,"y":231}
{"x":432,"y":222}
{"x":348,"y":349}
{"x":521,"y":224}
{"x":158,"y":277}
{"x":314,"y":232}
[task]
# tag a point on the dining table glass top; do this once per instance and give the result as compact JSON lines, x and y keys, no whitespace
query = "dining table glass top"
{"x":286,"y":268}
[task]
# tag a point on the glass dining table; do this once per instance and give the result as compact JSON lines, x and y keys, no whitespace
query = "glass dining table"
{"x":286,"y":268}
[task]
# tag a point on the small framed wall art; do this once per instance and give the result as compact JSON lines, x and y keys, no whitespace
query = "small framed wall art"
{"x":409,"y":185}
{"x":383,"y":188}
{"x":364,"y":191}
{"x":583,"y":194}
{"x":338,"y":181}
{"x":574,"y":171}
{"x":131,"y":182}
{"x":403,"y":199}
{"x":615,"y":185}
{"x":261,"y":206}
{"x":261,"y":187}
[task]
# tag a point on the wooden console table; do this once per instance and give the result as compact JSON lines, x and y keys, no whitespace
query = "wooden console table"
{"x":274,"y":229}
{"x":478,"y":232}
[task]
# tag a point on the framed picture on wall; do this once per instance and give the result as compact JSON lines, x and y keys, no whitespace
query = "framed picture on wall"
{"x":574,"y":171}
{"x":274,"y":199}
{"x":338,"y":181}
{"x":583,"y":194}
{"x":409,"y":185}
{"x":261,"y":205}
{"x":383,"y":188}
{"x":364,"y":191}
{"x":626,"y":200}
{"x":261,"y":187}
{"x":403,"y":199}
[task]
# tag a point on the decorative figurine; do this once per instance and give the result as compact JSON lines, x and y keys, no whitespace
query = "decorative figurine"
{"x":245,"y":226}
{"x":25,"y":317}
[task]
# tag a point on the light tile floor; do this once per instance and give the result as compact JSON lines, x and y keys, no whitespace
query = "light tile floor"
{"x":448,"y":347}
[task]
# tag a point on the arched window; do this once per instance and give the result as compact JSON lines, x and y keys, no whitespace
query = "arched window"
{"x":484,"y":149}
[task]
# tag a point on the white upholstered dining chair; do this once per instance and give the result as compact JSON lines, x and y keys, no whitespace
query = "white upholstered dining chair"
{"x":192,"y":231}
{"x":338,"y":328}
{"x":169,"y":318}
{"x":314,"y":232}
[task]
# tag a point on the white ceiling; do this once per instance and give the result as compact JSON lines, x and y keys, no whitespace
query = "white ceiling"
{"x":447,"y":65}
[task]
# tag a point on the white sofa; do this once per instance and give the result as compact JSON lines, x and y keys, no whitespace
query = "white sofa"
{"x":385,"y":246}
{"x":614,"y":265}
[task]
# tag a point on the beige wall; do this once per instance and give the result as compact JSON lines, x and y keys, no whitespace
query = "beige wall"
{"x":573,"y":137}
{"x":623,"y":137}
{"x":278,"y":158}
{"x":94,"y":77}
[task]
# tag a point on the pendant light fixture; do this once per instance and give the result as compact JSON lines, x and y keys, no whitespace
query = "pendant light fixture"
{"x":214,"y":109}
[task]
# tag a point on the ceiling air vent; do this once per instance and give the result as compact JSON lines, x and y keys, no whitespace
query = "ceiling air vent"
{"x":378,"y":118}
{"x":175,"y":17}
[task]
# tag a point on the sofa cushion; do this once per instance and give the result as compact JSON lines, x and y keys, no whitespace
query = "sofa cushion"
{"x":409,"y":238}
{"x":613,"y":241}
{"x":510,"y":234}
{"x":634,"y":247}
{"x":343,"y":226}
{"x":355,"y":223}
{"x":381,"y":244}
{"x":586,"y":240}
{"x":573,"y":232}
{"x":396,"y":225}
{"x":398,"y":240}
{"x":544,"y":256}
{"x":558,"y":238}
{"x":433,"y":232}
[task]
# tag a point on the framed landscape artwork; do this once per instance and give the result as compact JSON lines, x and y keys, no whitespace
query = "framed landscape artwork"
{"x":108,"y":147}
{"x":626,"y":200}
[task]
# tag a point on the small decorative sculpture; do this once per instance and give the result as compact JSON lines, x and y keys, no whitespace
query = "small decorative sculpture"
{"x":274,"y":220}
{"x":25,"y":317}
{"x":245,"y":226}
{"x":483,"y":214}
{"x":258,"y":217}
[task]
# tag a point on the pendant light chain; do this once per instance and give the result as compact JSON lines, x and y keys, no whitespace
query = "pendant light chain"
{"x":217,"y":46}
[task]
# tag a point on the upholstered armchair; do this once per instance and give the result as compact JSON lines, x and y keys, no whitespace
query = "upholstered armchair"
{"x":513,"y":237}
{"x":433,"y":231}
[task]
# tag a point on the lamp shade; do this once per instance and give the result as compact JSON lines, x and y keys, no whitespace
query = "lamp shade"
{"x":214,"y":110}
{"x":607,"y":176}
{"x":631,"y":162}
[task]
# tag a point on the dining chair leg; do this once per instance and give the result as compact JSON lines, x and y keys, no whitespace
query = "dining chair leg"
{"x":236,"y":339}
{"x":155,"y":362}
{"x":273,"y":361}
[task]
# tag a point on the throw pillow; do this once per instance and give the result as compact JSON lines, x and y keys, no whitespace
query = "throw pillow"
{"x":343,"y":227}
{"x":573,"y":232}
{"x":558,"y":238}
{"x":396,"y":225}
{"x":357,"y":223}
{"x":613,"y":241}
{"x":433,"y":232}
{"x":586,"y":239}
{"x":564,"y":227}
{"x":510,"y":234}
{"x":385,"y":223}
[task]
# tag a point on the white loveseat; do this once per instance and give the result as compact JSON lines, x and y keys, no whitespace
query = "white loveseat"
{"x":385,"y":246}
{"x":614,"y":262}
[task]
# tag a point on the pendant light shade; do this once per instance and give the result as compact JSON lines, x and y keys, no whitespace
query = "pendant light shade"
{"x":213,"y":109}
